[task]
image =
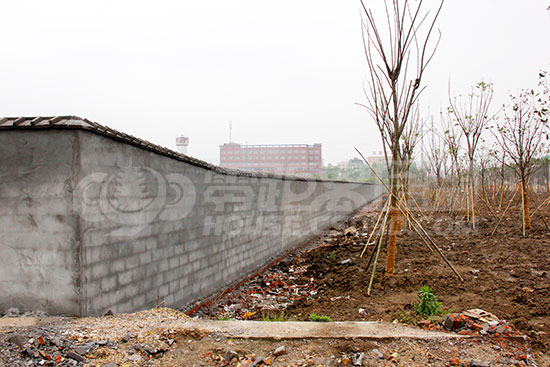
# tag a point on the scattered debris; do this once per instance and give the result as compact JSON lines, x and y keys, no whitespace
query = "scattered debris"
{"x":279,"y":351}
{"x":480,"y":322}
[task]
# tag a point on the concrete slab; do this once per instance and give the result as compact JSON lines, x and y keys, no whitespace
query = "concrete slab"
{"x":302,"y":330}
{"x":14,"y":322}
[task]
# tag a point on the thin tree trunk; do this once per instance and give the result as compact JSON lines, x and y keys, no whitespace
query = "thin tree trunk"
{"x":525,"y":202}
{"x":395,"y":216}
{"x":472,"y":194}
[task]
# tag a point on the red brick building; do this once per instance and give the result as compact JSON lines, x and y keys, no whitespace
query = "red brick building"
{"x":284,"y":159}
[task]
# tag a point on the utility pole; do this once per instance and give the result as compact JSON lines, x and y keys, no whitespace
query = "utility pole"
{"x":230,"y":128}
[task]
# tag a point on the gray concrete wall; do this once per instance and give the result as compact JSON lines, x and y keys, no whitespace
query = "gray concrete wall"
{"x":39,"y":247}
{"x":122,"y":228}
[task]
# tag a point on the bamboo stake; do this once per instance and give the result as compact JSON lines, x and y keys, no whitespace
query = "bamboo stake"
{"x":378,"y":252}
{"x":504,"y":213}
{"x":373,"y":251}
{"x":486,"y":202}
{"x":374,"y":229}
{"x":420,"y":229}
{"x":539,"y":206}
{"x":534,"y":200}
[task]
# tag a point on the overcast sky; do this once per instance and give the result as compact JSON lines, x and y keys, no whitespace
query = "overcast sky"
{"x":283,"y":71}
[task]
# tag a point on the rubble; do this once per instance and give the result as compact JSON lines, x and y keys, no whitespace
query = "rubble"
{"x":279,"y":351}
{"x":479,"y":322}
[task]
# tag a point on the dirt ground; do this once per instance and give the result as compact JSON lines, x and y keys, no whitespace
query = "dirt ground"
{"x":155,"y":338}
{"x":504,"y":273}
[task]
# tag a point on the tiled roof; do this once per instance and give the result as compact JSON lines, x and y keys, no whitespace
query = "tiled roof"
{"x":74,"y":122}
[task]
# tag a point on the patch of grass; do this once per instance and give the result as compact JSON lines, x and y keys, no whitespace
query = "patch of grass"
{"x":280,"y":317}
{"x":332,"y":256}
{"x":317,"y":318}
{"x":428,"y":304}
{"x":406,"y":318}
{"x":223,"y":318}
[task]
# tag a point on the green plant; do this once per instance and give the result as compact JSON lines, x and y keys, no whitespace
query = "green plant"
{"x":280,"y":317}
{"x":317,"y":318}
{"x":428,"y":304}
{"x":406,"y":317}
{"x":223,"y":318}
{"x":332,"y":256}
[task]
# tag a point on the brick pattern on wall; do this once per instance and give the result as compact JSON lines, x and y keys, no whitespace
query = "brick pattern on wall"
{"x":146,"y":228}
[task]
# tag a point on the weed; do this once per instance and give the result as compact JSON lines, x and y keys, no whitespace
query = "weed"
{"x":280,"y":317}
{"x":332,"y":256}
{"x":428,"y":305}
{"x":406,"y":318}
{"x":317,"y":318}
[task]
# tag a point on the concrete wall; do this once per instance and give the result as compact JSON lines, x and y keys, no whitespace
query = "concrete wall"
{"x":39,"y":247}
{"x":113,"y":226}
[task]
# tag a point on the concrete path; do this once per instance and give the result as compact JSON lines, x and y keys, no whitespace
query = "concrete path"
{"x":276,"y":330}
{"x":302,"y":330}
{"x":11,"y":322}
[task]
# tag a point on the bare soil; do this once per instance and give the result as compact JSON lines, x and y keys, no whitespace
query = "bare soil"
{"x":504,"y":273}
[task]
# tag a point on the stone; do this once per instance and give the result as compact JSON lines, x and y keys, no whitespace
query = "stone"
{"x":57,"y":342}
{"x":73,"y":355}
{"x":127,"y":337}
{"x":230,"y":355}
{"x":110,"y":364}
{"x":476,"y":327}
{"x":377,"y":354}
{"x":134,"y":357}
{"x":357,"y":359}
{"x":481,"y":315}
{"x":455,"y":321}
{"x":454,"y":362}
{"x":476,"y":363}
{"x":347,"y":261}
{"x":18,"y":340}
{"x":350,"y":231}
{"x":84,"y":348}
{"x":258,"y":362}
{"x":279,"y":351}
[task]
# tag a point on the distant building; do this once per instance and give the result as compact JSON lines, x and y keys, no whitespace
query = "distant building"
{"x":182,"y":142}
{"x":284,"y":159}
{"x":376,"y":158}
{"x":356,"y":163}
{"x":352,"y":163}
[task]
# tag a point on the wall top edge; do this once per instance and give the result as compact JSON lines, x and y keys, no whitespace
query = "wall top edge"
{"x":77,"y":123}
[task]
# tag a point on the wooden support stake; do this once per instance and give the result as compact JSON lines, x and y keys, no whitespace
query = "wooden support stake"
{"x":419,"y":230}
{"x":374,"y":229}
{"x":383,"y":229}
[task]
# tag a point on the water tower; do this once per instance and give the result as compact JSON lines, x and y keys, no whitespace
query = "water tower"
{"x":182,"y":142}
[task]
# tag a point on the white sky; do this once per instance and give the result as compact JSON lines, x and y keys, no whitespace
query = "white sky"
{"x":284,"y":71}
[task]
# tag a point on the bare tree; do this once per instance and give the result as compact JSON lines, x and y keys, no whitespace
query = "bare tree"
{"x":544,"y":83}
{"x":436,"y":157}
{"x":521,"y":137}
{"x":397,"y":56}
{"x":472,"y":116}
{"x":453,"y":142}
{"x":409,"y":140}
